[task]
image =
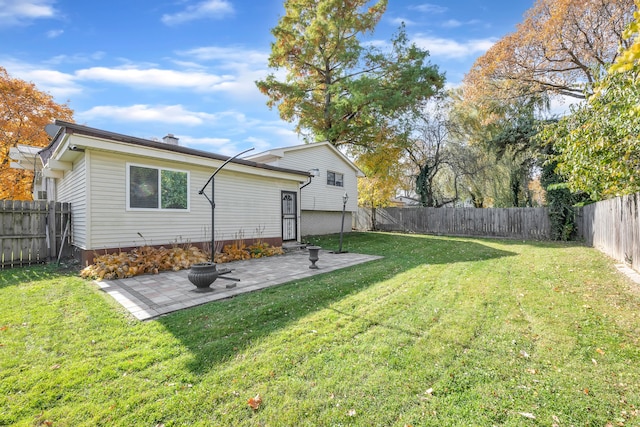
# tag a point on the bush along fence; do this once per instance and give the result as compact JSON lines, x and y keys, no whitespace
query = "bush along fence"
{"x":613,"y":227}
{"x":515,"y":223}
{"x":33,"y":232}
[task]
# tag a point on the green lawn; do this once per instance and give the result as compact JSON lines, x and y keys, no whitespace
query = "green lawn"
{"x":441,"y":332}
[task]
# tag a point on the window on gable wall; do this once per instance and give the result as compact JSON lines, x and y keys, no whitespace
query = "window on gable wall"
{"x":157,"y":188}
{"x":335,"y":178}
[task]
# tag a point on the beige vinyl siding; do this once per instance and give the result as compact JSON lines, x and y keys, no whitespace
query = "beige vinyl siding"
{"x":72,"y":188}
{"x":318,"y":195}
{"x":248,"y":204}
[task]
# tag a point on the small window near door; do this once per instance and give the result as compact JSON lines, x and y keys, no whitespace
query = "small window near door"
{"x":335,"y":178}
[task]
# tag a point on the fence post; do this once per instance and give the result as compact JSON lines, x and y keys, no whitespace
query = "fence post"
{"x":51,"y":225}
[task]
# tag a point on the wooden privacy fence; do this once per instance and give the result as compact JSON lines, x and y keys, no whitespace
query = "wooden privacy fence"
{"x":613,"y":227}
{"x":33,"y":232}
{"x":520,"y":223}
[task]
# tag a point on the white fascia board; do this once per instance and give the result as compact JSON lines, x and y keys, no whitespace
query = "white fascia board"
{"x":22,"y":164}
{"x":58,"y":165}
{"x":281,"y":152}
{"x":49,"y":173}
{"x":98,"y":144}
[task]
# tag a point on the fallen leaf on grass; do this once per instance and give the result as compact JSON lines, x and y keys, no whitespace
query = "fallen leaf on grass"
{"x":255,"y":402}
{"x":56,"y":366}
{"x":527,"y":415}
{"x":600,"y":351}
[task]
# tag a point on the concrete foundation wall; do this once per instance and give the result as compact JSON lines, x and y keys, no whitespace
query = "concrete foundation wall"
{"x":324,"y":222}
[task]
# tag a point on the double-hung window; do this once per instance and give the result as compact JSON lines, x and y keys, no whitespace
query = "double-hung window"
{"x":335,"y":178}
{"x":157,"y":188}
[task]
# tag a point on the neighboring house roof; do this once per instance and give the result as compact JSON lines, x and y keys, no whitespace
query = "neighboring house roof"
{"x":278,"y":153}
{"x":66,"y":128}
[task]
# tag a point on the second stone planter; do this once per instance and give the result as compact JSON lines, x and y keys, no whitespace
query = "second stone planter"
{"x":313,"y":256}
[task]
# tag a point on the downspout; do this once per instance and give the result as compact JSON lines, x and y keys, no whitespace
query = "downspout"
{"x":312,"y":173}
{"x":308,"y":182}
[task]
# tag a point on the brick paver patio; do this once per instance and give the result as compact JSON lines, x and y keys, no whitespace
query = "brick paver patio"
{"x":150,"y":296}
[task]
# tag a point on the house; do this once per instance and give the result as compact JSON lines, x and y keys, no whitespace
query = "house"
{"x":126,"y":192}
{"x":333,"y":176}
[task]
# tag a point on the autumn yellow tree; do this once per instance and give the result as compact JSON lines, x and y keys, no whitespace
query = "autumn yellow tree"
{"x":24,"y":112}
{"x":597,"y":146}
{"x":562,"y":47}
{"x":630,"y":57}
{"x":383,"y":172}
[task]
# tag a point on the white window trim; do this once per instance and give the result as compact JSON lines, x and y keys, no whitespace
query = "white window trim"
{"x":160,"y":169}
{"x":334,"y":174}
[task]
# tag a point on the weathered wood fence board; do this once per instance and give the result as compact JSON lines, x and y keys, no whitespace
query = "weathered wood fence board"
{"x":613,"y":227}
{"x":521,"y":223}
{"x":31,"y":232}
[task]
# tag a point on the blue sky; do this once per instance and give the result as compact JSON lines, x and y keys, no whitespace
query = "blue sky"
{"x":150,"y":67}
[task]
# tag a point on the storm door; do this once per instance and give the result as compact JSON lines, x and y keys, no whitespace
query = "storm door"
{"x":289,"y":216}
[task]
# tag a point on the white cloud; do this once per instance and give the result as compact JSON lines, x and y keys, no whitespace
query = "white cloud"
{"x":258,"y":144}
{"x":452,"y":85}
{"x":154,"y":77}
{"x":208,"y":9}
{"x":451,"y":23}
{"x":561,"y":105}
{"x":54,"y":33}
{"x":240,"y":135}
{"x":75,"y":59}
{"x":174,"y":114}
{"x":454,"y":23}
{"x":405,"y":21}
{"x":188,"y":65}
{"x":448,"y":48}
{"x":238,"y":79}
{"x":246,"y":65}
{"x":283,"y":133}
{"x":234,"y":55}
{"x":378,"y":43}
{"x":231,"y":131}
{"x":60,"y":85}
{"x":21,"y":12}
{"x":429,"y":8}
{"x":216,"y":145}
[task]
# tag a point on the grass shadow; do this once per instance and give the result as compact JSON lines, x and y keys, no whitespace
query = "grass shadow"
{"x":31,"y":273}
{"x":217,"y":332}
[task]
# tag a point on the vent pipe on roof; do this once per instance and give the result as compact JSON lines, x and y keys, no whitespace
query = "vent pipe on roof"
{"x":170,"y":139}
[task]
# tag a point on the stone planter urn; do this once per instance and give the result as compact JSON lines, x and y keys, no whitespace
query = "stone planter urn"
{"x":313,"y":256}
{"x":202,"y":275}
